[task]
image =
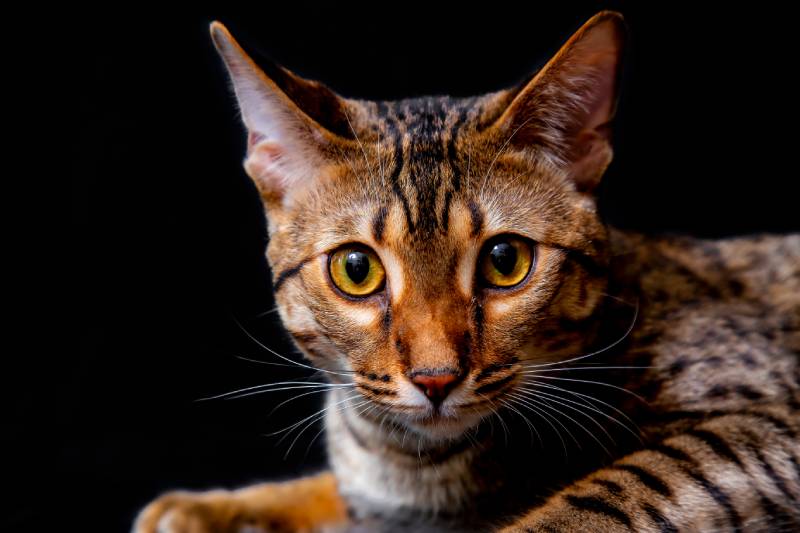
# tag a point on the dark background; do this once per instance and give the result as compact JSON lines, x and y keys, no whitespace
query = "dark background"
{"x":169,"y":234}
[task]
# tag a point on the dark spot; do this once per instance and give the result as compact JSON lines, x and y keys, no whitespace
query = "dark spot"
{"x":736,"y":287}
{"x":386,"y":378}
{"x":714,"y":361}
{"x":372,"y":376}
{"x":677,"y":367}
{"x":651,"y":388}
{"x":717,"y":391}
{"x":748,"y":361}
{"x":749,"y":393}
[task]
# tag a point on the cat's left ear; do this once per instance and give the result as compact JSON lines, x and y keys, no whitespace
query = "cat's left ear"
{"x":566,"y":108}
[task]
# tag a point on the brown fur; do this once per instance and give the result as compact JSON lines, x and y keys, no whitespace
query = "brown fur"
{"x":707,"y":331}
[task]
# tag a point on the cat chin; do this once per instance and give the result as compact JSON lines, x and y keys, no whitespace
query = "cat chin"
{"x":443,"y":428}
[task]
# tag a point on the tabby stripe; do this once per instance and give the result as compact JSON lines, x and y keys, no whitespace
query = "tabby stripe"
{"x":477,"y":319}
{"x":476,"y":218}
{"x":599,"y":506}
{"x":398,"y":168}
{"x":451,"y":149}
{"x":304,"y":337}
{"x":712,"y":490}
{"x":379,"y":224}
{"x":288,"y":273}
{"x":775,"y":421}
{"x":490,"y":370}
{"x":375,"y":390}
{"x":716,"y":443}
{"x":767,"y":467}
{"x":386,"y":323}
{"x":649,"y":480}
{"x":776,"y":515}
{"x":589,"y":264}
{"x":494,"y":385}
{"x":445,"y":222}
{"x":664,"y":524}
{"x":672,"y":453}
{"x":718,"y":495}
{"x":613,"y":488}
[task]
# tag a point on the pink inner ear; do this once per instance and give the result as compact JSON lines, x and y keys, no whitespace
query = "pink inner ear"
{"x":263,"y":165}
{"x":253,"y":138}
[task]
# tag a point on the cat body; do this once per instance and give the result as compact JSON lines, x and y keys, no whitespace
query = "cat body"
{"x":498,"y":356}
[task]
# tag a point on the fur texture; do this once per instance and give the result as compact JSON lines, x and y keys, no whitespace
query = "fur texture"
{"x":628,"y":382}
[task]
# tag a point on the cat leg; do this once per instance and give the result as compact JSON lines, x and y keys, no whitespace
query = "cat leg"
{"x":736,"y":471}
{"x":302,"y":505}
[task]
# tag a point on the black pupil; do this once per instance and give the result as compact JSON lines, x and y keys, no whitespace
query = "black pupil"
{"x":357,"y":266}
{"x":504,"y":257}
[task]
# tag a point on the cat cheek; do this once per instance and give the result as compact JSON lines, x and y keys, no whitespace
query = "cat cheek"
{"x":361,"y":316}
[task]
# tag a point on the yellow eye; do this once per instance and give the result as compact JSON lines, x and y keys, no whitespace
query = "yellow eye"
{"x":505,"y":261}
{"x":356,"y":270}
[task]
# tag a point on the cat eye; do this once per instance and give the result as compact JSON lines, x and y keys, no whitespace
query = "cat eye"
{"x":506,"y":260}
{"x":356,"y":270}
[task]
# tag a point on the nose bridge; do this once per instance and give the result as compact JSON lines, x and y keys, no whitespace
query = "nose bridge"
{"x":432,"y":334}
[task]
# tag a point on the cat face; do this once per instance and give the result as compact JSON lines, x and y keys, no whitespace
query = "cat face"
{"x":427,"y":250}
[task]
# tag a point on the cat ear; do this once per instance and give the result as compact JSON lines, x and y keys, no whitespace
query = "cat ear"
{"x":567,"y":106}
{"x":290,"y":121}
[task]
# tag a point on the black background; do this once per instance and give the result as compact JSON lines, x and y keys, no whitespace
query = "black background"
{"x":169,"y":233}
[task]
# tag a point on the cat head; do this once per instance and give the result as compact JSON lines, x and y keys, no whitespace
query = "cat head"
{"x":429,"y":250}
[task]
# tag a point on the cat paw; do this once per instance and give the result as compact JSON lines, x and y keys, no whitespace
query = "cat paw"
{"x":206,"y":512}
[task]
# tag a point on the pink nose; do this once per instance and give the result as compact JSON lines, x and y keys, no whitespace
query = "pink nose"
{"x":436,"y":387}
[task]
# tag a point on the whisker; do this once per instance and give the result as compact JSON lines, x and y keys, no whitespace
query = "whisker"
{"x":289,"y":428}
{"x":494,"y":410}
{"x":590,"y":368}
{"x":584,"y":428}
{"x":597,"y":352}
{"x":531,"y":427}
{"x":346,"y":373}
{"x":278,"y":386}
{"x":259,"y":361}
{"x":267,"y":312}
{"x":298,"y":396}
{"x":636,"y":433}
{"x":601,"y":383}
{"x":546,"y":417}
{"x":560,"y":401}
{"x":307,"y":426}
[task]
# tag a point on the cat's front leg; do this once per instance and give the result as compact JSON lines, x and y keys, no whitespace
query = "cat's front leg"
{"x":303,"y":505}
{"x":735,"y":471}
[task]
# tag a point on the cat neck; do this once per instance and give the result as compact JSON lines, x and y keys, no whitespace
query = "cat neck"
{"x":382,"y":466}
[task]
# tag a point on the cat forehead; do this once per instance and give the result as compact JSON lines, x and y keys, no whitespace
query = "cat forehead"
{"x":425,"y":119}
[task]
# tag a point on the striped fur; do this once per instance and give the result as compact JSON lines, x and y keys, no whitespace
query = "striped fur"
{"x":629,"y":383}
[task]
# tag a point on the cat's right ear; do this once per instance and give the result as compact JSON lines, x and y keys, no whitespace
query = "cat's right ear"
{"x":285,"y":145}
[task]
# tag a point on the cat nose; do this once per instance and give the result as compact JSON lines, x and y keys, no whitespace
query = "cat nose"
{"x":435,"y":384}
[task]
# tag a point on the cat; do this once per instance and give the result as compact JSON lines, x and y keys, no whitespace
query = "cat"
{"x":490,"y":343}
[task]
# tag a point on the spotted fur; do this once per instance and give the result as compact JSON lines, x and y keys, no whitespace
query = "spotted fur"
{"x":629,"y":383}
